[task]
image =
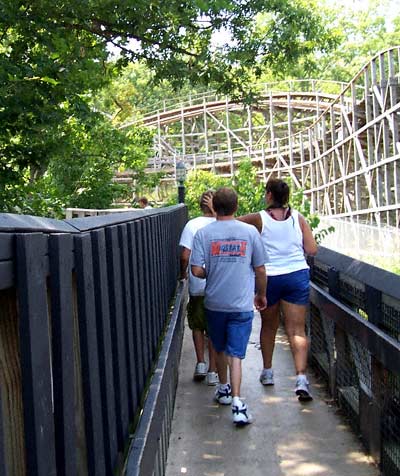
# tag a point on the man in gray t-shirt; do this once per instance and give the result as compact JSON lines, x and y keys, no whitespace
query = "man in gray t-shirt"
{"x":230,"y":254}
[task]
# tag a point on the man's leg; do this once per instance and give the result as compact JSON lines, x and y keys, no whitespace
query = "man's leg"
{"x":212,"y":375}
{"x":239,"y":330}
{"x":198,"y":341}
{"x":235,"y":369}
{"x":195,"y":314}
{"x":222,"y":367}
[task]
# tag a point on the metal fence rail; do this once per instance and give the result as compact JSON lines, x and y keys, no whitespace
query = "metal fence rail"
{"x":84,"y":304}
{"x":355,"y":345}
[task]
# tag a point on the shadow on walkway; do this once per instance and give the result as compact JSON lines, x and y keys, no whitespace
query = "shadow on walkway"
{"x":287,"y":438}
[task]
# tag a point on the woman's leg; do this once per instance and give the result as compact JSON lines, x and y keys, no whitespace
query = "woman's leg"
{"x":269,"y":328}
{"x":295,"y":323}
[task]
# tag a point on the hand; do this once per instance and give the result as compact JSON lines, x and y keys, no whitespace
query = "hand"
{"x":208,"y":201}
{"x":260,"y":302}
{"x":183,"y":276}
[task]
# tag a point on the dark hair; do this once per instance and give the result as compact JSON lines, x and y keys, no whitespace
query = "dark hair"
{"x":144,"y":200}
{"x":225,"y":201}
{"x":280,"y":193}
{"x":203,"y":207}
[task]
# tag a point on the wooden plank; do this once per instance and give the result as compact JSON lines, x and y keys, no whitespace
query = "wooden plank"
{"x":152,"y":284}
{"x":11,"y":222}
{"x":61,"y":263}
{"x":128,"y":318}
{"x":6,"y":246}
{"x":89,"y":356}
{"x":3,"y":467}
{"x":117,"y":335}
{"x":144,"y":245}
{"x":35,"y":354}
{"x":159,"y":271}
{"x":105,"y":349}
{"x":140,"y":279}
{"x":137,"y":323}
{"x":6,"y":274}
{"x":12,"y":412}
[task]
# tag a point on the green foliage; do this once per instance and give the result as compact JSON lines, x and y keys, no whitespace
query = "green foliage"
{"x":198,"y":182}
{"x":249,"y":189}
{"x":251,"y":194}
{"x":55,"y":59}
{"x":361,"y":30}
{"x":299,"y":202}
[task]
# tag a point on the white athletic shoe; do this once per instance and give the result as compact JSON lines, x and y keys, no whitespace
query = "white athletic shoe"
{"x":212,"y":378}
{"x":241,"y":415}
{"x":267,"y":377}
{"x":200,"y":371}
{"x":223,"y":396}
{"x":303,"y":389}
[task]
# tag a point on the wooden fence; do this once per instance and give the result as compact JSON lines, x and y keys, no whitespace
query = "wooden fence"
{"x":84,"y":305}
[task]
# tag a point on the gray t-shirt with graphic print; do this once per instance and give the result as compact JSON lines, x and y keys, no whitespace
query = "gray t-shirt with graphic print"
{"x":229,"y":250}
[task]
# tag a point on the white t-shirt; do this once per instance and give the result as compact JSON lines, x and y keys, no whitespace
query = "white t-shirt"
{"x":196,"y":285}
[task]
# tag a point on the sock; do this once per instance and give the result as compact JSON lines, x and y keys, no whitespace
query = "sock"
{"x":237,"y":402}
{"x":223,"y":386}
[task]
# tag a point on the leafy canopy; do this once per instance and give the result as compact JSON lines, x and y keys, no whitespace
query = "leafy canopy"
{"x":55,"y":58}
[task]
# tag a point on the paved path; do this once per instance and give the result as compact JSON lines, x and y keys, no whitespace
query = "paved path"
{"x":287,"y":438}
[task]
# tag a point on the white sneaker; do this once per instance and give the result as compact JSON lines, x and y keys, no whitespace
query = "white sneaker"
{"x":241,"y":415}
{"x":223,"y":396}
{"x":212,"y":378}
{"x":303,"y":389}
{"x":200,"y":371}
{"x":267,"y":377}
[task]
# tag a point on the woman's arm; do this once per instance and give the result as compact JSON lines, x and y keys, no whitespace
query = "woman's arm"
{"x":252,"y":219}
{"x":309,"y":244}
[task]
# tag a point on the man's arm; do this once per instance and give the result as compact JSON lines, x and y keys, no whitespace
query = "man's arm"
{"x":260,"y":300}
{"x":198,"y":271}
{"x":184,"y":262}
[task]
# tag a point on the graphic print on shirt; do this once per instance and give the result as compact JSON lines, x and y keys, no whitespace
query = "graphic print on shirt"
{"x":228,"y":248}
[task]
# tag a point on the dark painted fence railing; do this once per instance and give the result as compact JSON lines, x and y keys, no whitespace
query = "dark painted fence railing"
{"x":84,"y":306}
{"x":355,"y":346}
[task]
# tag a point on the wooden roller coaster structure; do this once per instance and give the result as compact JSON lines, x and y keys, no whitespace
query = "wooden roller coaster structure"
{"x":337,"y":141}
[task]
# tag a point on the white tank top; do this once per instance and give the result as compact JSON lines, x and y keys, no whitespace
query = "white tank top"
{"x":283,"y":244}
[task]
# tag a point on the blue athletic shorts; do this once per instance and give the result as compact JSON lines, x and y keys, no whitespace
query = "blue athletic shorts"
{"x":291,"y":287}
{"x":230,"y":331}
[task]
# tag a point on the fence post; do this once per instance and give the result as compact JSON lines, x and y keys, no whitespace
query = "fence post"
{"x":89,"y":355}
{"x":371,"y":398}
{"x":35,"y":355}
{"x":105,"y":349}
{"x":339,"y":335}
{"x":60,"y":254}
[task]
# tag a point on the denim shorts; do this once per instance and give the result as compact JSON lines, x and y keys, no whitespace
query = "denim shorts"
{"x":230,"y":331}
{"x":291,"y":287}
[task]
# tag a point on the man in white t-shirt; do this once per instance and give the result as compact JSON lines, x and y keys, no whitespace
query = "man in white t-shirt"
{"x":195,"y":309}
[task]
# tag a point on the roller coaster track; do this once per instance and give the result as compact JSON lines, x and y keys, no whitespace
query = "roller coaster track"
{"x":339,"y":142}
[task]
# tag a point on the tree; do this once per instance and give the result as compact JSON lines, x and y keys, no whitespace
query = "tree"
{"x":361,"y":31}
{"x":54,"y":58}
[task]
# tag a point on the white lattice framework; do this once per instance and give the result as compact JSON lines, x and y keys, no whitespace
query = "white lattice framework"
{"x":339,"y":142}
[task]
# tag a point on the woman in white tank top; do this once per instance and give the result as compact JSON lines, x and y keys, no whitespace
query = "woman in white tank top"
{"x":287,"y":237}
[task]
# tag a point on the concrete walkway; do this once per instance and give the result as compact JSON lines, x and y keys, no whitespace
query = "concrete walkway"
{"x":287,"y":438}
